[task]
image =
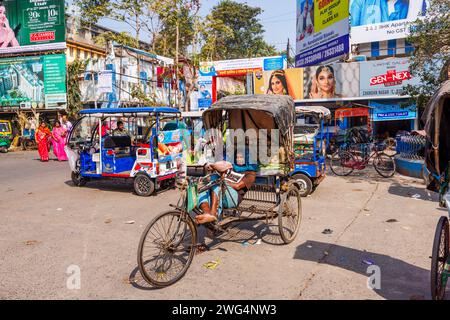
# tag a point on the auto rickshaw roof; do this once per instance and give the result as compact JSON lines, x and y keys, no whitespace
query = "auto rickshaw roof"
{"x":322,"y":111}
{"x":111,"y":111}
{"x":280,"y":108}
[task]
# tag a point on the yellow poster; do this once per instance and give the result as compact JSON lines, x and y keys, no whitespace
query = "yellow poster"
{"x":328,"y":12}
{"x":282,"y":82}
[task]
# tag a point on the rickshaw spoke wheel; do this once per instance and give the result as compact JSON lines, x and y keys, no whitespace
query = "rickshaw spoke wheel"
{"x":290,"y":214}
{"x":439,"y":259}
{"x":342,"y":163}
{"x":384,"y":165}
{"x":167,"y":248}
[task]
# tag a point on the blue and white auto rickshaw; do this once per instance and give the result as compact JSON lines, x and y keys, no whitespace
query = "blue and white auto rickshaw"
{"x":130,"y":143}
{"x":310,"y":145}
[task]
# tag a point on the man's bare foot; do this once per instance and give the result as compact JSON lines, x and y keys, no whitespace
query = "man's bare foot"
{"x":205,"y":218}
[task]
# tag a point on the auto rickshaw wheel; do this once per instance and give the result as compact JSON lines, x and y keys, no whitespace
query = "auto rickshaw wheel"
{"x":78,"y":180}
{"x":144,"y":185}
{"x":305,"y":183}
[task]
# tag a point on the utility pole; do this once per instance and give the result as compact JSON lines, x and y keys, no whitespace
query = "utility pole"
{"x":288,"y":52}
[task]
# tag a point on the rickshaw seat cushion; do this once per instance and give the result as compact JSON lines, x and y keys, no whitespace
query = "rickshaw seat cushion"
{"x":222,"y":166}
{"x":112,"y":142}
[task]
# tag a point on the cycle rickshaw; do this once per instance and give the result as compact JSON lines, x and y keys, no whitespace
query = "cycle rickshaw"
{"x":167,"y":246}
{"x":437,"y":174}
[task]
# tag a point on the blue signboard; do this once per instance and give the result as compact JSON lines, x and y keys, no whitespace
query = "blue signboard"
{"x":327,"y":51}
{"x":273,"y":64}
{"x":391,"y":111}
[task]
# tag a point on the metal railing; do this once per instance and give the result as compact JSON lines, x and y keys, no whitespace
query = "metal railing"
{"x":411,"y":147}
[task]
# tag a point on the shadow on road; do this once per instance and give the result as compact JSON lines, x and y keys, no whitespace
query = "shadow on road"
{"x":399,"y":280}
{"x":119,"y":185}
{"x":414,"y":193}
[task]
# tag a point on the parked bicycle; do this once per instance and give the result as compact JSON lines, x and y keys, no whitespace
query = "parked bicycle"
{"x":350,"y":157}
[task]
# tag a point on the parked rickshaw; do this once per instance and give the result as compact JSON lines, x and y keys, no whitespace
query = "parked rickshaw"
{"x":6,"y":135}
{"x":146,"y":150}
{"x":437,"y":157}
{"x":310,"y":147}
{"x":169,"y":242}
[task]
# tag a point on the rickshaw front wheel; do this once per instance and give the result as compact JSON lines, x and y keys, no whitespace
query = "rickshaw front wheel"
{"x":439,"y":259}
{"x":290,"y":214}
{"x":144,"y":185}
{"x":78,"y":180}
{"x":167,"y":248}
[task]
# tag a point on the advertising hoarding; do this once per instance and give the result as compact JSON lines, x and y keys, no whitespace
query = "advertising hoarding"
{"x":322,"y":31}
{"x":240,"y":67}
{"x":31,"y":25}
{"x":385,"y":77}
{"x":381,"y":20}
{"x":281,"y":82}
{"x":37,"y":81}
{"x":331,"y":82}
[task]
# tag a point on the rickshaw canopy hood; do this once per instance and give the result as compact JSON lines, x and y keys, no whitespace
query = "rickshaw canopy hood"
{"x":436,"y":118}
{"x":321,"y":111}
{"x":279,"y":109}
{"x":111,"y":111}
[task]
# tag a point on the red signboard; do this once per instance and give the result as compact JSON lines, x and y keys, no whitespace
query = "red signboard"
{"x":353,"y":112}
{"x":42,"y":36}
{"x":391,"y":78}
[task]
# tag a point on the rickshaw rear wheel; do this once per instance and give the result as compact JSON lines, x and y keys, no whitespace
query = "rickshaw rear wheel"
{"x":144,"y":185}
{"x":167,"y":248}
{"x":78,"y":180}
{"x":439,"y":258}
{"x":290,"y":214}
{"x":306,"y":184}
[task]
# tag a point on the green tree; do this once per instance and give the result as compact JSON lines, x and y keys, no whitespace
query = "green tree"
{"x":430,"y":61}
{"x":123,"y":38}
{"x":233,"y":30}
{"x":74,"y":70}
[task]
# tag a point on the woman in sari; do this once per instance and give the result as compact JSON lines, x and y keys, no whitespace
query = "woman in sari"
{"x":59,"y":139}
{"x":42,"y":137}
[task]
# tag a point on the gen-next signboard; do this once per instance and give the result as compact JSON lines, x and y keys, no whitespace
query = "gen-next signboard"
{"x":31,"y":25}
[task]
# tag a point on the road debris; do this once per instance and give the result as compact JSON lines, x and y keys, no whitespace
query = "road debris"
{"x":327,"y":231}
{"x":130,"y":222}
{"x":392,"y":221}
{"x":212,"y":265}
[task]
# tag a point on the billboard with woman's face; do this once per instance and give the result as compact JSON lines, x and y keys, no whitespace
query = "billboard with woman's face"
{"x":31,"y":25}
{"x":331,"y":81}
{"x":280,"y":82}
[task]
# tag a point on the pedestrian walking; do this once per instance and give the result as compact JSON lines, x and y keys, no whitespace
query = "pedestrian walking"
{"x":59,"y":141}
{"x":43,"y":134}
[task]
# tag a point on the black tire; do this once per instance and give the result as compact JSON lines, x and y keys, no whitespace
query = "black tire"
{"x":385,"y":165}
{"x":28,"y":145}
{"x":179,"y":236}
{"x":144,"y":185}
{"x":340,"y":163}
{"x":290,"y":214}
{"x":305,"y":184}
{"x":439,"y":258}
{"x":78,"y":180}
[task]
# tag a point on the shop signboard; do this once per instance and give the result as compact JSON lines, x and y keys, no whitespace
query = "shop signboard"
{"x":204,"y":92}
{"x":322,"y":31}
{"x":385,"y":77}
{"x":279,"y":82}
{"x":392,"y":111}
{"x":35,"y":81}
{"x":381,"y":20}
{"x":241,"y":67}
{"x":31,"y":25}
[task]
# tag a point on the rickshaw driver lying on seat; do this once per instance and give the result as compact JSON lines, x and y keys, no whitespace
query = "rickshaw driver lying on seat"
{"x":213,"y":201}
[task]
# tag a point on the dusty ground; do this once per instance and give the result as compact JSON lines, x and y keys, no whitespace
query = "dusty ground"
{"x":47,"y":225}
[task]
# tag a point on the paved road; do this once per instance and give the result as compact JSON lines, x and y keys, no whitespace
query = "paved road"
{"x":48,"y":225}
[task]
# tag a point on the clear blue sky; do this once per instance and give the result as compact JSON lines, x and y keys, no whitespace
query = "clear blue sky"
{"x":278,"y":20}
